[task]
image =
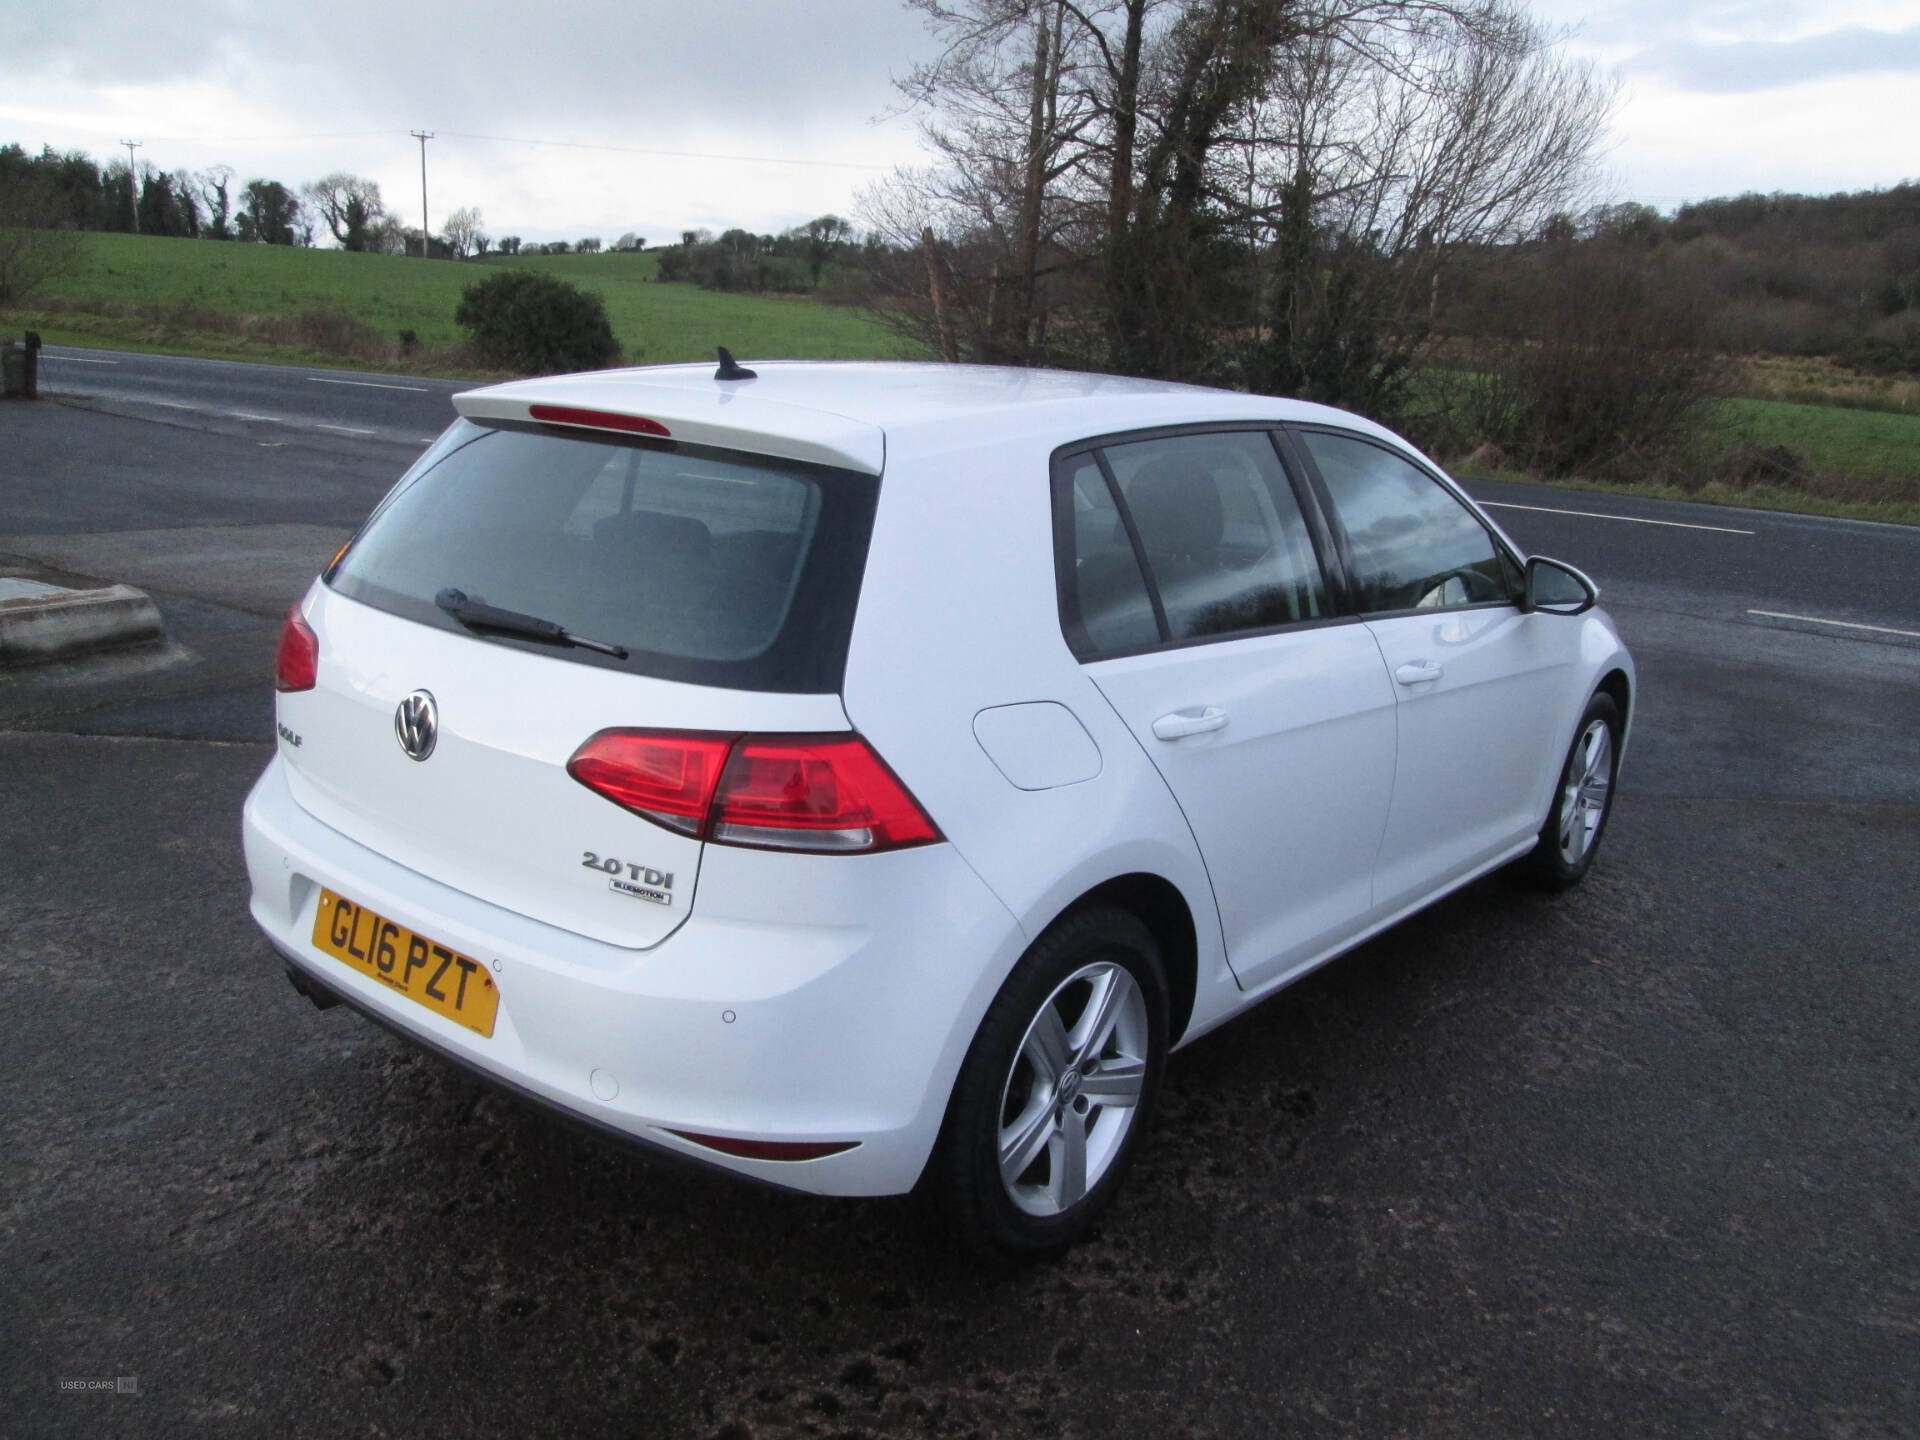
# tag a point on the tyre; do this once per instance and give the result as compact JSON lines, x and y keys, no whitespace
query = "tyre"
{"x":1582,"y":800}
{"x":1056,"y":1090}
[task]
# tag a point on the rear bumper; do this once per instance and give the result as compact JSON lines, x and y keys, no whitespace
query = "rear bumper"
{"x":808,"y":998}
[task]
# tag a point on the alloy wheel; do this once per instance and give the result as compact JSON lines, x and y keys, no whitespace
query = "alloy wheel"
{"x":1072,"y":1093}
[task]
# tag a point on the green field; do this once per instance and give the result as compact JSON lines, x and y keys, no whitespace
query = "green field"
{"x":193,"y":296}
{"x":1867,"y":444}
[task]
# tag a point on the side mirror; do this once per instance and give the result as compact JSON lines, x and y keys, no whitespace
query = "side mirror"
{"x":1557,"y":589}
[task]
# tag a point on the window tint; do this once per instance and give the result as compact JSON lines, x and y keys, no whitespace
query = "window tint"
{"x":1115,"y":612}
{"x":710,"y":566}
{"x":1414,"y":545}
{"x":1224,"y":538}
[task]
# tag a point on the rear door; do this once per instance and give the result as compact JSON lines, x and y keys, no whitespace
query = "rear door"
{"x":1192,"y":587}
{"x":725,"y":581}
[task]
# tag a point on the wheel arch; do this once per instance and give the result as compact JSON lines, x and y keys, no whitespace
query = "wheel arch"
{"x":1616,"y":685}
{"x":1158,"y":904}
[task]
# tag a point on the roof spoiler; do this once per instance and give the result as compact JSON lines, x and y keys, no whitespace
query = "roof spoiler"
{"x":731,"y":418}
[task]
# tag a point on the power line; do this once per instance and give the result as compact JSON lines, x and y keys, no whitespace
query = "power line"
{"x":258,"y":139}
{"x":671,"y":154}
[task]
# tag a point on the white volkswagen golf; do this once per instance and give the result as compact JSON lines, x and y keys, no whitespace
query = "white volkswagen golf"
{"x":861,"y":776}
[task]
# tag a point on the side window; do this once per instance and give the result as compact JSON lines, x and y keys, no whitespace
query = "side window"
{"x":1415,"y":547}
{"x":1225,"y":542}
{"x":1115,"y":613}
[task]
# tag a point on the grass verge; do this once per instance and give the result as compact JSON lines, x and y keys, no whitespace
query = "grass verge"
{"x":1751,"y":497}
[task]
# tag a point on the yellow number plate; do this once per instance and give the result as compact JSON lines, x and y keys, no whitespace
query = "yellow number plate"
{"x":445,"y":981}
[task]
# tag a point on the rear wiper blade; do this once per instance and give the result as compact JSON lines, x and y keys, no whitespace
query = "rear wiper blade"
{"x":478,"y":615}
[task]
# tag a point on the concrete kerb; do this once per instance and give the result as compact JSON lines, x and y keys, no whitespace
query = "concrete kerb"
{"x":40,"y":621}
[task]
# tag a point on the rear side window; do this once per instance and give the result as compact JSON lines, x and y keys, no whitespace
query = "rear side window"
{"x":1415,"y":547}
{"x":1223,"y":535}
{"x":1115,"y":610}
{"x":712,"y":567}
{"x":1181,"y":538}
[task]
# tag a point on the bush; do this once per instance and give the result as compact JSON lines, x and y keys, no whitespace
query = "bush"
{"x":1884,"y":354}
{"x":1612,"y":372}
{"x":536,"y":324}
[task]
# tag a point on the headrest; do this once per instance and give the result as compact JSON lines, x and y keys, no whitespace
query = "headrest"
{"x":655,"y":535}
{"x":1176,"y":508}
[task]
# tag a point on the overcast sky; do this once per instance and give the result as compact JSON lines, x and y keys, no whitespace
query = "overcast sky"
{"x":578,"y":117}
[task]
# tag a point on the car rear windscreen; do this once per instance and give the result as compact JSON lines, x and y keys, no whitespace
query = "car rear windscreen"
{"x":713,"y":567}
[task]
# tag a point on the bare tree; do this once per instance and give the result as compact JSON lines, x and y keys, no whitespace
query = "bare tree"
{"x":462,"y":229}
{"x":351,"y":207}
{"x":1383,"y":158}
{"x":1149,"y":185}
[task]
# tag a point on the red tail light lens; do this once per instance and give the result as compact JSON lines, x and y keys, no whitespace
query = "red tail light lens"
{"x":296,"y":665}
{"x":815,"y":793}
{"x":784,"y":792}
{"x":666,"y":775}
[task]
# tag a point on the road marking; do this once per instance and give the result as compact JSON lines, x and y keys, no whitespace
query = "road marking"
{"x":248,"y":415}
{"x":81,"y":360}
{"x":1843,"y":624}
{"x":1601,"y":515}
{"x":371,"y":385}
{"x":343,"y":429}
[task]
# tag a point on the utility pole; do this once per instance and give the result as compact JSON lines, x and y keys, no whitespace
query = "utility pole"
{"x":133,"y":188}
{"x":426,"y":235}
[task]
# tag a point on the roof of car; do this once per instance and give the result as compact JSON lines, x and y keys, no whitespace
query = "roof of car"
{"x":851,"y":413}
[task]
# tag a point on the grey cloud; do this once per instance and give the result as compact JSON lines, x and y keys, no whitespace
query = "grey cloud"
{"x":1747,"y":66}
{"x":117,"y":42}
{"x":634,"y":70}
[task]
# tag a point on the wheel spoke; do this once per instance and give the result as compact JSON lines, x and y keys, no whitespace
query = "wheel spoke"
{"x":1116,"y":1083}
{"x":1022,"y":1142}
{"x":1599,"y":752}
{"x":1047,"y":1048}
{"x":1096,"y":1022}
{"x":1068,"y":1182}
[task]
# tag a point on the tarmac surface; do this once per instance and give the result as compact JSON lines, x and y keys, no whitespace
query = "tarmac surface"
{"x":1637,"y":1160}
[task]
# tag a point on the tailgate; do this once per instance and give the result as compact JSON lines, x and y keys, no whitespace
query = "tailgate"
{"x":491,"y":810}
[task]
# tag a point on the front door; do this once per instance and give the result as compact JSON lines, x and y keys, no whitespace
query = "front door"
{"x":1482,"y":688}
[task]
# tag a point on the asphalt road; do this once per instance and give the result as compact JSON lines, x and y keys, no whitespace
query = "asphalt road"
{"x":1639,"y":1160}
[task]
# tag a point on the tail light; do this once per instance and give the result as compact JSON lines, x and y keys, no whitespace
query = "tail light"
{"x":781,"y":792}
{"x":296,"y":665}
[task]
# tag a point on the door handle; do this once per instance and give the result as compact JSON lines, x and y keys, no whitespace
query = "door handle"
{"x":1417,"y":672}
{"x":1195,"y":720}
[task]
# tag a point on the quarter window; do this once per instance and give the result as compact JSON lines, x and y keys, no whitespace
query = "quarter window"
{"x":1414,"y":545}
